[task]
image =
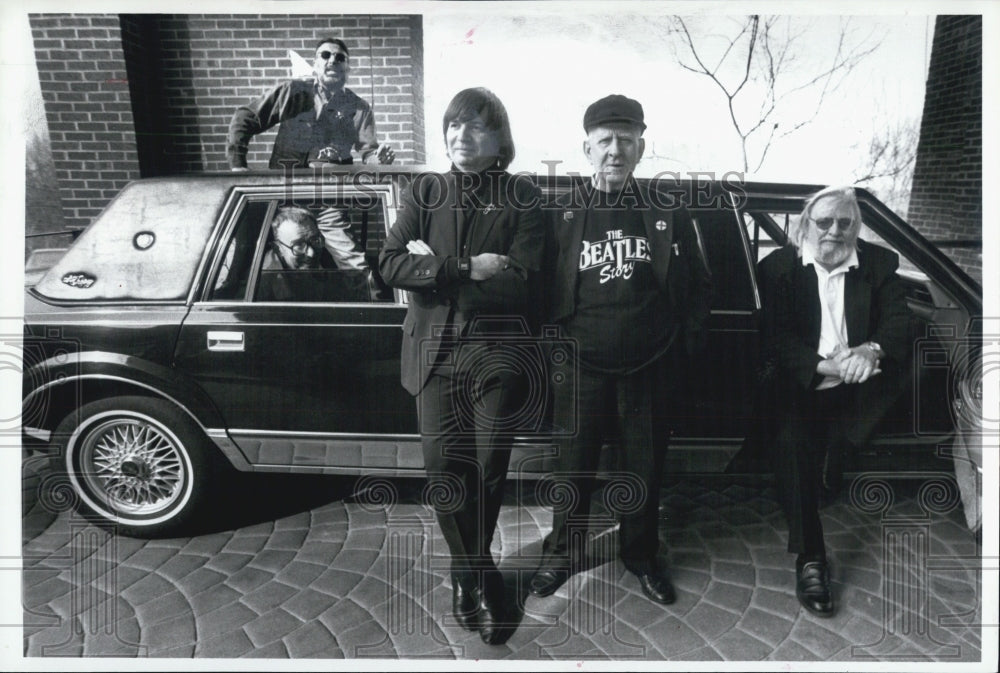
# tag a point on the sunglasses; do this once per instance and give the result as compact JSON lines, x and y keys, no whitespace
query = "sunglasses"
{"x":338,"y":56}
{"x":843,"y":223}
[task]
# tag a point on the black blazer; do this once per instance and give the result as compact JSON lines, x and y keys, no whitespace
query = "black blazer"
{"x":507,"y":221}
{"x":678,"y":263}
{"x":874,"y":308}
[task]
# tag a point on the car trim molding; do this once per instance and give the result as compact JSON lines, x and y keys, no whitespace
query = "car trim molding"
{"x":110,"y":377}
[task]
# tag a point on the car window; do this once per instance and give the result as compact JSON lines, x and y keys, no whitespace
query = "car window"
{"x":256,"y":266}
{"x":719,"y":234}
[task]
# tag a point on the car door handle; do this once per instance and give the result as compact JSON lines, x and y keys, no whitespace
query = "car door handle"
{"x":225,"y":341}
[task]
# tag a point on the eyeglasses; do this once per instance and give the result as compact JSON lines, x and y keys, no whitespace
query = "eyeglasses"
{"x":338,"y":56}
{"x":314,"y":242}
{"x":824,"y":223}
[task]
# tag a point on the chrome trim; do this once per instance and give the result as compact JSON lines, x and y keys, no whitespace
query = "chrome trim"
{"x":353,"y":304}
{"x":107,"y":377}
{"x":336,"y":435}
{"x":191,"y":324}
{"x":37,"y":433}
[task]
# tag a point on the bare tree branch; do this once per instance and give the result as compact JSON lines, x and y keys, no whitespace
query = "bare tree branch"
{"x":763,"y":66}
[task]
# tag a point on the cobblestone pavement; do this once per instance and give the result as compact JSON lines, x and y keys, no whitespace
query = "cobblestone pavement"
{"x":323,"y":568}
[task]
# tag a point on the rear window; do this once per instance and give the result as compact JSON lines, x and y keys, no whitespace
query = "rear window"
{"x":145,"y":246}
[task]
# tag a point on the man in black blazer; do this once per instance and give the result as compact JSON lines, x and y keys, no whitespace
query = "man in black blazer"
{"x":467,"y":245}
{"x":837,"y":328}
{"x":630,"y":287}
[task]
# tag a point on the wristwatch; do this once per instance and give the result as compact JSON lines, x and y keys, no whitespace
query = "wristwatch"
{"x":464,"y":268}
{"x":875,"y":348}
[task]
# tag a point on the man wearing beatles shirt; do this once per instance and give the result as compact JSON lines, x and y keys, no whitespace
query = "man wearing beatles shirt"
{"x":631,"y":289}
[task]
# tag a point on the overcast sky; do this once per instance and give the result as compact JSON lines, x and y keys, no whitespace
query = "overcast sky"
{"x":548,"y":67}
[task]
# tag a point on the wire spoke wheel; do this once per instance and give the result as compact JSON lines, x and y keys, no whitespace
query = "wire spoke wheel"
{"x":134,"y":465}
{"x":140,"y":464}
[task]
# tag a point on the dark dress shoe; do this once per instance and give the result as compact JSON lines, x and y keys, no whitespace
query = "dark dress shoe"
{"x":812,"y":587}
{"x":491,"y":615}
{"x":655,"y":583}
{"x":547,"y":581}
{"x":464,"y":606}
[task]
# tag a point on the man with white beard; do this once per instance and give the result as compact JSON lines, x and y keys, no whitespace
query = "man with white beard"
{"x":836,"y":327}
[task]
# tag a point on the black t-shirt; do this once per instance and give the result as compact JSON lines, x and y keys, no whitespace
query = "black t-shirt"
{"x":621,"y":321}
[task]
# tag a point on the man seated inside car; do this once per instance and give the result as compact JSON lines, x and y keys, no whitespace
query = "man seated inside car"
{"x":295,"y":267}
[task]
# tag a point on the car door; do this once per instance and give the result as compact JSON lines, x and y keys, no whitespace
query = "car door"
{"x":308,"y":378}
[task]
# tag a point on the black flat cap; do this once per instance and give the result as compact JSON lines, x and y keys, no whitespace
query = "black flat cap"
{"x":613,"y":108}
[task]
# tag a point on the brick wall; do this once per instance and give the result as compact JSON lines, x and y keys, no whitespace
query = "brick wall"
{"x":152,"y":94}
{"x":946,"y":201}
{"x":81,"y":69}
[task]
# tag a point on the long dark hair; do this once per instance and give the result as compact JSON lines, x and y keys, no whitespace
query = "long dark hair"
{"x":481,"y":101}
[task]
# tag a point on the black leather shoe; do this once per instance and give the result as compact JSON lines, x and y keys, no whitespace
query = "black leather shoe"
{"x":655,"y":583}
{"x":547,"y":581}
{"x":491,"y":615}
{"x":464,"y":606}
{"x":812,"y":587}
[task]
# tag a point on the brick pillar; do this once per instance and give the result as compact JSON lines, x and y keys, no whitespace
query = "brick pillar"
{"x":81,"y":68}
{"x":946,"y":200}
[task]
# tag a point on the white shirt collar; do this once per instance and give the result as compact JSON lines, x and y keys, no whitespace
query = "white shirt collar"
{"x":849,"y":263}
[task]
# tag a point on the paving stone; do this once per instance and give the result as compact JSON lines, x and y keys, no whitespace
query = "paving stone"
{"x":338,"y":583}
{"x":271,"y":626}
{"x":227,"y":619}
{"x":710,"y":621}
{"x":294,"y":522}
{"x":163,"y":608}
{"x":638,"y":611}
{"x":367,"y":539}
{"x":199,"y":580}
{"x":357,"y":560}
{"x":247,"y":579}
{"x":365,"y":639}
{"x":736,"y":645}
{"x":766,"y":626}
{"x":228,"y":646}
{"x":782,"y":603}
{"x":706,"y":653}
{"x":179,"y":630}
{"x":148,"y":588}
{"x":672,"y":637}
{"x":46,"y":590}
{"x":299,"y":573}
{"x":213,"y":598}
{"x":150,"y":558}
{"x":246,"y":542}
{"x":228,"y":563}
{"x":790,"y":650}
{"x":275,"y":650}
{"x":308,"y":604}
{"x":268,"y":596}
{"x":816,"y":638}
{"x":319,"y":552}
{"x":206,"y":545}
{"x":113,"y":645}
{"x":310,"y":639}
{"x":272,"y":560}
{"x":181,"y":565}
{"x":729,"y":596}
{"x":734,"y":573}
{"x":288,"y":540}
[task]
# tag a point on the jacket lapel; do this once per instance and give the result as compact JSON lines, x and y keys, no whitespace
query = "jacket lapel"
{"x":810,"y":311}
{"x":857,"y":303}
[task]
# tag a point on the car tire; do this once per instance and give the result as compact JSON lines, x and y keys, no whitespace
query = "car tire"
{"x":138,"y":464}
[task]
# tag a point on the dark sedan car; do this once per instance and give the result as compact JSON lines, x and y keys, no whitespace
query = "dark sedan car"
{"x":157,"y":358}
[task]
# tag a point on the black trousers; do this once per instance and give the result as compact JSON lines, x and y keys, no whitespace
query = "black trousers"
{"x":583,"y":414}
{"x":466,"y":453}
{"x":818,"y":421}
